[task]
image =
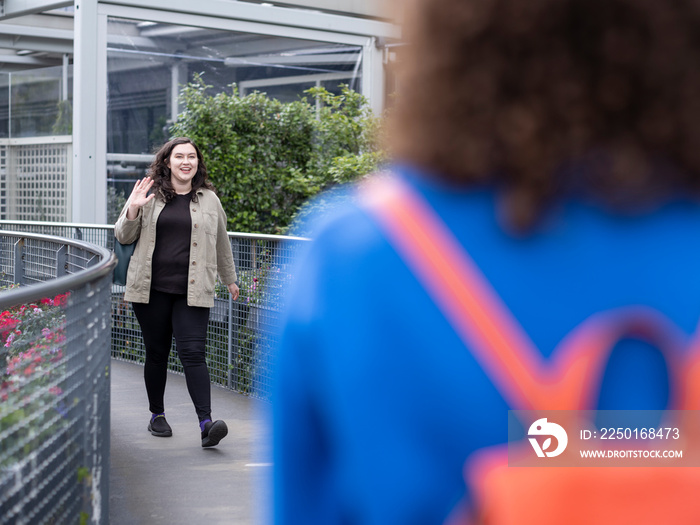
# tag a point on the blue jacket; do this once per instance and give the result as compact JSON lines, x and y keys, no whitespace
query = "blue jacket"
{"x":378,"y":403}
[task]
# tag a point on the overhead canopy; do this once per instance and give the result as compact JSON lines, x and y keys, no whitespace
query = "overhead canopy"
{"x":103,"y":77}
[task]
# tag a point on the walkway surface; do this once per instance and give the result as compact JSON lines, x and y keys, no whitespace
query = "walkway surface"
{"x":173,"y":480}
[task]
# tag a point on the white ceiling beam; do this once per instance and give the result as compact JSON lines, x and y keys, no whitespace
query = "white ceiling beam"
{"x":245,"y":85}
{"x":35,"y":44}
{"x":170,"y":31}
{"x":15,"y":8}
{"x":28,"y":60}
{"x":66,"y":35}
{"x":228,"y":24}
{"x":333,"y":58}
{"x":52,"y":19}
{"x":374,"y":8}
{"x":130,"y":57}
{"x":268,"y":14}
{"x":37,"y":32}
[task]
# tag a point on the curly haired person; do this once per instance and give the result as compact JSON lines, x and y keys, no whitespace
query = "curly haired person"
{"x":558,"y":141}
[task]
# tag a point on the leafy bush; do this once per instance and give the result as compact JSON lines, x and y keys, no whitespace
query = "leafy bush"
{"x":64,"y":120}
{"x":266,"y":157}
{"x":116,"y":199}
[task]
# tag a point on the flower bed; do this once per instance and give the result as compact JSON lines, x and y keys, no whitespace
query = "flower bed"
{"x":33,"y":369}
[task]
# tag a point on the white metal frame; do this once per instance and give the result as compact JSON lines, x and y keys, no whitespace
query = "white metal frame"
{"x":245,"y":85}
{"x":31,"y":141}
{"x":90,"y":62}
{"x":266,"y":14}
{"x":89,"y":114}
{"x":15,"y":8}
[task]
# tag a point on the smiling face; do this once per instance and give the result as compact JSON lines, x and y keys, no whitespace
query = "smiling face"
{"x":183,"y":165}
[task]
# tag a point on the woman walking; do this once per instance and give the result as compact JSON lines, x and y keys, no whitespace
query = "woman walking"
{"x":179,"y":226}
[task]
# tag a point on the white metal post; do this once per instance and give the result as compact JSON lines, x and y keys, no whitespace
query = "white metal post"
{"x":373,"y":75}
{"x":9,"y":106}
{"x":178,"y":77}
{"x":89,"y":114}
{"x":64,"y":78}
{"x":101,"y":121}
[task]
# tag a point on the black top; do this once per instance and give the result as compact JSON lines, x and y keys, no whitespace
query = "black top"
{"x":171,"y":257}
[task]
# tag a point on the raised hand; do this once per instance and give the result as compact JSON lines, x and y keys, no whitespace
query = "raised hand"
{"x":139,"y":196}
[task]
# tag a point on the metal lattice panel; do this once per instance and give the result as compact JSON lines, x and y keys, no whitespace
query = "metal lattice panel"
{"x":37,"y":185}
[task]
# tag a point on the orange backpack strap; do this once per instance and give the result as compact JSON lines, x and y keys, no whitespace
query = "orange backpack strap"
{"x":501,"y":495}
{"x":455,"y":283}
{"x":690,"y":394}
{"x":488,"y":328}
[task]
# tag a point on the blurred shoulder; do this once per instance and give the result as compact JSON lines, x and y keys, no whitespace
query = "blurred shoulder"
{"x":339,"y":224}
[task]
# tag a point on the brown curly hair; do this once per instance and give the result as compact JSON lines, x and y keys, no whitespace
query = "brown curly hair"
{"x":160,"y":172}
{"x":544,"y":98}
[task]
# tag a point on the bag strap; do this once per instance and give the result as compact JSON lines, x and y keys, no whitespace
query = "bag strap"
{"x":690,"y":384}
{"x":490,"y":331}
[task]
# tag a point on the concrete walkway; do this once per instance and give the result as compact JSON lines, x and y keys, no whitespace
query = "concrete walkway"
{"x":173,"y":480}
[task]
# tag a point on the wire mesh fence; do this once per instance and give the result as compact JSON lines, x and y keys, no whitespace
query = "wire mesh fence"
{"x":241,"y":334}
{"x":54,"y":387}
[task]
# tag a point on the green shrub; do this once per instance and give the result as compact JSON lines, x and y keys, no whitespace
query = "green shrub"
{"x":266,"y":157}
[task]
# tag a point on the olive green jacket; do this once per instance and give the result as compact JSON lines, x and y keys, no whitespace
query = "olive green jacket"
{"x":210,"y":251}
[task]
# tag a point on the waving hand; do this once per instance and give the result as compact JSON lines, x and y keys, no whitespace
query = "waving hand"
{"x":139,"y":196}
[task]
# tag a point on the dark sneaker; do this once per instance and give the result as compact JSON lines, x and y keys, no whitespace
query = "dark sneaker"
{"x":213,"y":433}
{"x":159,"y":427}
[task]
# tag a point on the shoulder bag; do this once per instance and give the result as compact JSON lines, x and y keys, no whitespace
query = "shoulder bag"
{"x":123,"y":253}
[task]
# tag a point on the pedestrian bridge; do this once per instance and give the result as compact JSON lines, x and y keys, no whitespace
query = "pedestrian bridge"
{"x":70,"y":414}
{"x":174,"y":480}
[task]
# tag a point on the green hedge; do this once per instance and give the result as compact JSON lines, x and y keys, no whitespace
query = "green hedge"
{"x":266,"y":157}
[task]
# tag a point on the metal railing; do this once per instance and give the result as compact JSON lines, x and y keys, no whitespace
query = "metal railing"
{"x":54,"y":387}
{"x":241,"y":334}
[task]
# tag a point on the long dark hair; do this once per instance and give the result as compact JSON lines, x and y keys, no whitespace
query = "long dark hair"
{"x":507,"y":93}
{"x":160,"y":172}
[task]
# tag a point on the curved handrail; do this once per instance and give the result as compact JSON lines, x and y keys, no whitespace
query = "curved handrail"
{"x":242,"y":235}
{"x":35,"y":292}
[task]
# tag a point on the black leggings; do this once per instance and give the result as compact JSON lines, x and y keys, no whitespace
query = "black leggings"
{"x":164,"y":316}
